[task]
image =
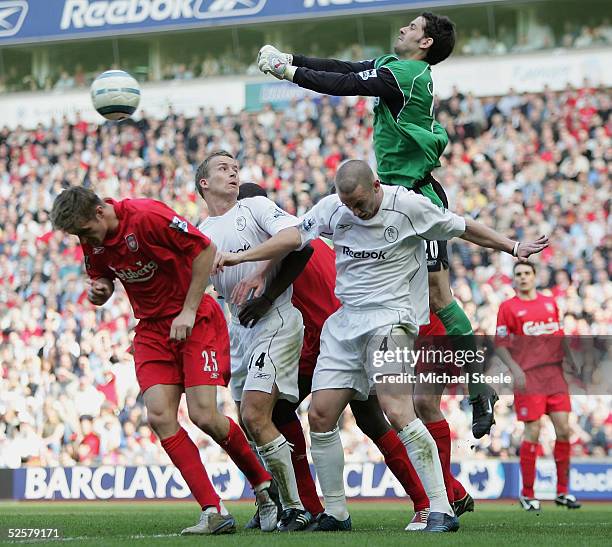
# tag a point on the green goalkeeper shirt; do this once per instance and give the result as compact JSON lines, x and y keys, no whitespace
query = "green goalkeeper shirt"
{"x":408,"y":141}
{"x":408,"y":144}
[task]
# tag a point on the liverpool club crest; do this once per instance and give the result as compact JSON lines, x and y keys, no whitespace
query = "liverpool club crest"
{"x":131,"y":242}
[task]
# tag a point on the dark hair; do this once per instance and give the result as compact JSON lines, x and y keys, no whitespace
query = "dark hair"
{"x":74,"y":207}
{"x":442,"y":30}
{"x":251,"y":190}
{"x":524,"y":263}
{"x":202,"y":171}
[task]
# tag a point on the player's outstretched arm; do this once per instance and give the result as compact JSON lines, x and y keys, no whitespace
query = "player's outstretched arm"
{"x":269,"y":53}
{"x":332,"y":65}
{"x":292,"y":266}
{"x":484,"y":236}
{"x":368,"y":82}
{"x":200,"y":272}
{"x":277,"y":246}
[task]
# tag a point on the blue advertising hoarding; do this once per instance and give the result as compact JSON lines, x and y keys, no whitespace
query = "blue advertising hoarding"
{"x":29,"y":21}
{"x":483,"y":479}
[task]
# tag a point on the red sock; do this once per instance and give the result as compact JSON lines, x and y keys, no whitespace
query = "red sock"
{"x":239,"y":450}
{"x":528,"y":454}
{"x":186,"y":457}
{"x":398,"y":462}
{"x":458,"y":491}
{"x":441,"y":434}
{"x":293,"y":432}
{"x":562,"y":459}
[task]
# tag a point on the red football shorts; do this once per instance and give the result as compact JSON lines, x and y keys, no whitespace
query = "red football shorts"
{"x":532,"y":407}
{"x":436,"y":354}
{"x":201,"y":360}
{"x":310,"y":351}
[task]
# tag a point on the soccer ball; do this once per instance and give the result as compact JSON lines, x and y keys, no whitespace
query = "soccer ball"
{"x":115,"y":94}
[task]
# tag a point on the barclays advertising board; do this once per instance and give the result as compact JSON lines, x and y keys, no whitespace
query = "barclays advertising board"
{"x":26,"y":21}
{"x":483,"y":479}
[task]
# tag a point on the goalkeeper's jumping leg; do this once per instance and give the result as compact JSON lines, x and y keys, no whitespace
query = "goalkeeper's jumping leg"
{"x":459,"y":329}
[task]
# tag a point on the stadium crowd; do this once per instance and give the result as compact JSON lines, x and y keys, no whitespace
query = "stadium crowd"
{"x":537,"y":36}
{"x":526,"y":164}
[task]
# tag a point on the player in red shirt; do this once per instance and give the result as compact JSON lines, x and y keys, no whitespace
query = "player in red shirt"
{"x":314,"y":297}
{"x":539,"y":384}
{"x":181,"y":342}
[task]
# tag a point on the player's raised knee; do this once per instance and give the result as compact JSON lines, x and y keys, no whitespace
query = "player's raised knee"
{"x":562,"y":431}
{"x":253,"y":419}
{"x":399,"y":413}
{"x":426,"y":407}
{"x":204,"y":417}
{"x":162,"y":422}
{"x":319,"y":420}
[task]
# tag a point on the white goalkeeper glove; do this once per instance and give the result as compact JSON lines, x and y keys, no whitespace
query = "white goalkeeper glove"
{"x":277,"y":63}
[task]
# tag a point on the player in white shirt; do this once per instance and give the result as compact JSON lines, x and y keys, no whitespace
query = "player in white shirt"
{"x":378,"y":234}
{"x":264,"y":357}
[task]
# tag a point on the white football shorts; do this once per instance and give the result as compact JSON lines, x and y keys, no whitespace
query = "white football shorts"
{"x":267,"y":354}
{"x":351,"y":344}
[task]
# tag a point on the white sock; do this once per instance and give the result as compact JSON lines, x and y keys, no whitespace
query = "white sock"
{"x":328,"y":457}
{"x":265,"y":484}
{"x":277,"y":457}
{"x":425,"y":459}
{"x":253,"y":446}
{"x":213,"y":509}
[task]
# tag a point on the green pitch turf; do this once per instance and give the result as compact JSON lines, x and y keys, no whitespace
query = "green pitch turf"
{"x":374,"y":524}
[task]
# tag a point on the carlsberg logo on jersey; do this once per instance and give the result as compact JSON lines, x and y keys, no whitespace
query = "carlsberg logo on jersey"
{"x":374,"y":255}
{"x":97,"y":13}
{"x":144,"y":273}
{"x":539,"y":328}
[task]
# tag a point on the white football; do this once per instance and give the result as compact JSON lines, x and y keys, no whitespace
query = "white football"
{"x":115,"y":94}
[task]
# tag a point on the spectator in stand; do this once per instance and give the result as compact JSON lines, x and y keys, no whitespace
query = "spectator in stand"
{"x":64,"y":82}
{"x":477,"y":44}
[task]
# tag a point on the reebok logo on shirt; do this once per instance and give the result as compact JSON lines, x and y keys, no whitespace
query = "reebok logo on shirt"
{"x":374,"y":255}
{"x":245,"y":247}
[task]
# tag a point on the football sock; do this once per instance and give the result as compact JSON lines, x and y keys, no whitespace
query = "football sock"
{"x":459,"y":492}
{"x":459,"y":329}
{"x":222,"y":509}
{"x":328,"y":456}
{"x":253,"y":446}
{"x":185,"y":455}
{"x":293,"y":432}
{"x":277,"y":456}
{"x":238,"y":449}
{"x":423,"y":454}
{"x":396,"y":459}
{"x":562,"y":459}
{"x":441,"y":435}
{"x":528,"y":455}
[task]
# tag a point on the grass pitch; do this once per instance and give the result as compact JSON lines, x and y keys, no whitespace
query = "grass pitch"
{"x":374,"y":524}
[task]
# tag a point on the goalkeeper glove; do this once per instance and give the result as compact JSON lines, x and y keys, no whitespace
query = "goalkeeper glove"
{"x":277,"y":63}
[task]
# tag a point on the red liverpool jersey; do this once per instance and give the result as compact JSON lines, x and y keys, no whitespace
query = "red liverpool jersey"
{"x":531,"y":330}
{"x":150,"y":253}
{"x":313,"y":295}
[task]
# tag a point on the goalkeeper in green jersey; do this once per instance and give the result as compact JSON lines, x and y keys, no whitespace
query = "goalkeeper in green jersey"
{"x":408,"y":143}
